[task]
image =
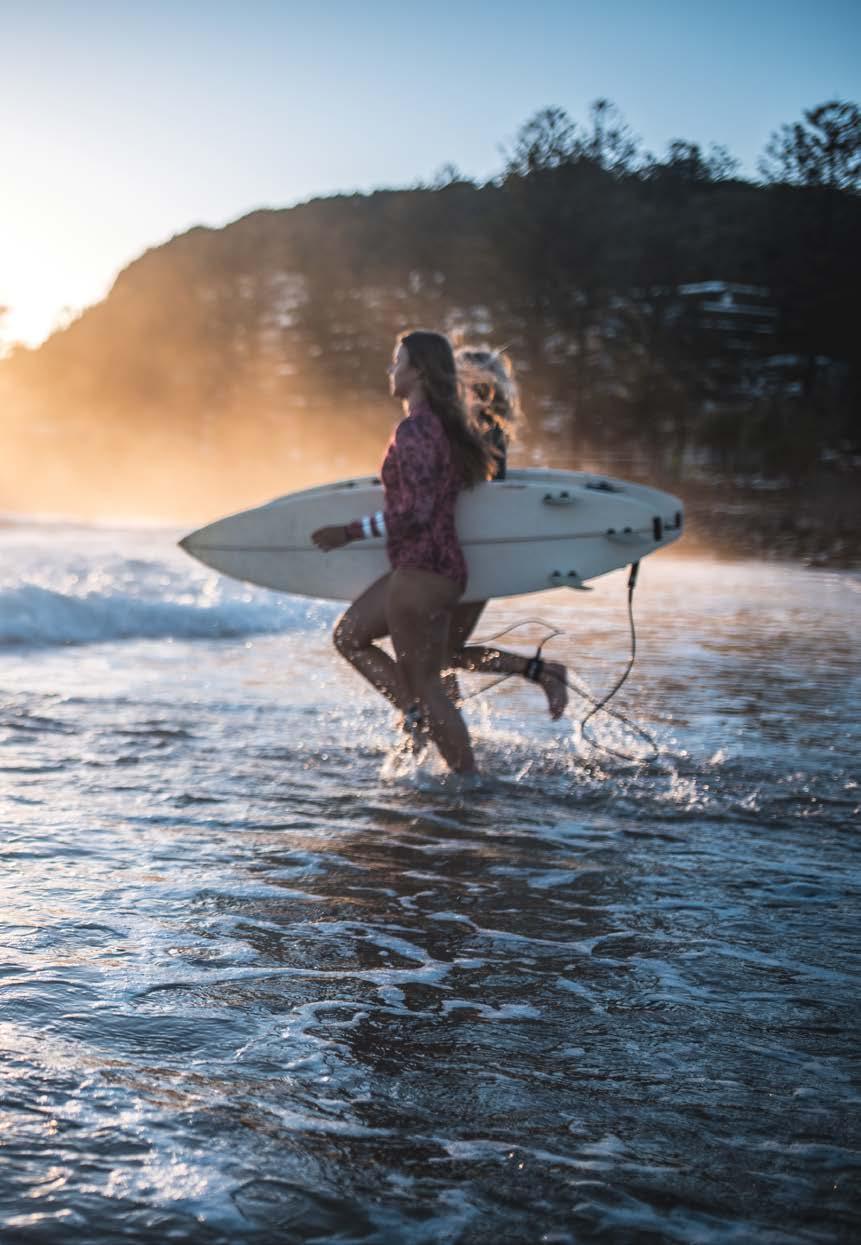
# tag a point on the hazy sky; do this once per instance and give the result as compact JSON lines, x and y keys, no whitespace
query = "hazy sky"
{"x":125,"y":123}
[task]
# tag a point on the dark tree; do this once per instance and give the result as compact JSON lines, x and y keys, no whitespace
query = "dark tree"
{"x":545,"y":141}
{"x":823,"y":150}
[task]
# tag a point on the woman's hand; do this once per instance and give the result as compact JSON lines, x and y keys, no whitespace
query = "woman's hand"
{"x":327,"y":538}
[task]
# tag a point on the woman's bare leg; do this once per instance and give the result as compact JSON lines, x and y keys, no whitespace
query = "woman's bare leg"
{"x":364,"y":622}
{"x":419,"y":608}
{"x":483,"y":659}
{"x":464,"y":619}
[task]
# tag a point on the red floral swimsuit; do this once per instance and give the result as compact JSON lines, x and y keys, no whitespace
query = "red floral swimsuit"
{"x":421,"y":486}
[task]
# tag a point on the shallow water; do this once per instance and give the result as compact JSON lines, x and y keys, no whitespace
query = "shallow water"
{"x":260,"y":983}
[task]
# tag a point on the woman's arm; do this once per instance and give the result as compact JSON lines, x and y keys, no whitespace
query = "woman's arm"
{"x":410,"y":506}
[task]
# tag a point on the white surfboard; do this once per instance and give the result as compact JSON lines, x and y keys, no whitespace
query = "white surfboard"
{"x":534,"y":530}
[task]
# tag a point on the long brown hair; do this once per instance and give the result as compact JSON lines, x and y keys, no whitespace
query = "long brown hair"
{"x":432,"y":356}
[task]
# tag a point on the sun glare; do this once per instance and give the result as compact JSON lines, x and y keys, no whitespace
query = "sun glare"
{"x":31,"y":321}
{"x":36,"y":299}
{"x":44,"y":282}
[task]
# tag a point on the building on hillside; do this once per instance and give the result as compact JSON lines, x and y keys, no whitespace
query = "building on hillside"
{"x":733,"y":329}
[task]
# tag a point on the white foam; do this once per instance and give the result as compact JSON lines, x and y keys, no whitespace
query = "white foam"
{"x":36,"y":615}
{"x":507,"y":1011}
{"x":67,"y":586}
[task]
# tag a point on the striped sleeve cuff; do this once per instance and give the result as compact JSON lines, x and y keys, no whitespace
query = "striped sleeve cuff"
{"x":368,"y":527}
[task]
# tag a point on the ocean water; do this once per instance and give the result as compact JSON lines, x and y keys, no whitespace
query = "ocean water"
{"x":263,"y":981}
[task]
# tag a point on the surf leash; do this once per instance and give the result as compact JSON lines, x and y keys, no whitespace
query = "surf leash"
{"x":597,"y":705}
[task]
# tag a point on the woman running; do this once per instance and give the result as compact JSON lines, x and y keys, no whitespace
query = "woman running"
{"x":433,"y":454}
{"x":488,"y":380}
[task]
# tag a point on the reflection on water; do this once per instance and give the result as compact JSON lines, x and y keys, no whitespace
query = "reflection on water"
{"x":251,"y":991}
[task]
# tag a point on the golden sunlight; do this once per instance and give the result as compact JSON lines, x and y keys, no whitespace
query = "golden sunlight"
{"x":32,"y":320}
{"x":43,"y":281}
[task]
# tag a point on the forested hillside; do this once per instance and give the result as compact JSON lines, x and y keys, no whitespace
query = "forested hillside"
{"x":230,"y":364}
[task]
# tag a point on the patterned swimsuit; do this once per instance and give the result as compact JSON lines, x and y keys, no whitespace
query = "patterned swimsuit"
{"x":421,"y":486}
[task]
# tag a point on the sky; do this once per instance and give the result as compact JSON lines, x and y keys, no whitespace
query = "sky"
{"x":124,"y":124}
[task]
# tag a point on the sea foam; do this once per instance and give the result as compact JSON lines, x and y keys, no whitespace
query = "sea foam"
{"x":53,"y":593}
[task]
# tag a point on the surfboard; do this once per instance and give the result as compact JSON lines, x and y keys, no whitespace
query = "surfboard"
{"x":536,"y":529}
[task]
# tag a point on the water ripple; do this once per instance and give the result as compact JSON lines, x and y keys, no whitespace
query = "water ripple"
{"x":256,"y":986}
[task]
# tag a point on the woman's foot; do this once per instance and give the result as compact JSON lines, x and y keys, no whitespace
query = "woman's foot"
{"x":553,"y":680}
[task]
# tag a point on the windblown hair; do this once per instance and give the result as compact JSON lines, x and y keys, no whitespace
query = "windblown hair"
{"x":489,"y":375}
{"x":432,"y":356}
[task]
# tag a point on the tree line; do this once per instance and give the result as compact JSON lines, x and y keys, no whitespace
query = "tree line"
{"x":265,"y":341}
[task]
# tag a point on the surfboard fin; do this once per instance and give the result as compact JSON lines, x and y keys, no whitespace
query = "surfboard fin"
{"x":558,"y":579}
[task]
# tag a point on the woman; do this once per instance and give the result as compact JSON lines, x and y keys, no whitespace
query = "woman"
{"x":488,"y":378}
{"x":433,"y":454}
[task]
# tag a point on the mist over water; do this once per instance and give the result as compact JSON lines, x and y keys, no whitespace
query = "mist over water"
{"x":263,"y":983}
